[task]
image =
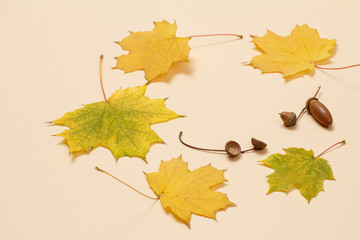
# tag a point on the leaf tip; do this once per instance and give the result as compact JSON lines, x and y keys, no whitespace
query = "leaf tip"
{"x":270,"y":191}
{"x":262,"y":162}
{"x":119,"y":43}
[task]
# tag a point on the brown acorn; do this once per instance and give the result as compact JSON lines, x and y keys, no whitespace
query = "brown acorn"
{"x":289,"y":118}
{"x":319,"y":111}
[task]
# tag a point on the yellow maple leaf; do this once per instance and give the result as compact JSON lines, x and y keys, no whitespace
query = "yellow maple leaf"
{"x":153,"y":51}
{"x":183,"y":192}
{"x":292,"y":54}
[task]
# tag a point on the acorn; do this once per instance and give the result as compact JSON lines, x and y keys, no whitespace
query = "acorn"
{"x":318,"y":110}
{"x":289,"y":118}
{"x":315,"y":108}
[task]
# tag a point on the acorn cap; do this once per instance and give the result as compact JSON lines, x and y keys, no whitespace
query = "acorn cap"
{"x":258,"y":145}
{"x":232,"y":148}
{"x":289,"y":118}
{"x":307,"y":104}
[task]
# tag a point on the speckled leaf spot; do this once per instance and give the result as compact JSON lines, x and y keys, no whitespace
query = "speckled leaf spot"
{"x":121,"y":124}
{"x":299,"y":169}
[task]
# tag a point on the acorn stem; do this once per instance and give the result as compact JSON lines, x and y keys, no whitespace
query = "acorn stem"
{"x":217,"y":34}
{"x":317,"y":91}
{"x":248,"y":150}
{"x":197,"y":148}
{"x":100,"y":170}
{"x":101,"y":82}
{"x":300,"y":114}
{"x":341,"y":142}
{"x":304,"y":109}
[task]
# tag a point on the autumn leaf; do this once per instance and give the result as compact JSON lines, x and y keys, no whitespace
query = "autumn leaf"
{"x":153,"y":51}
{"x":183,"y":192}
{"x":298,"y":168}
{"x":291,"y":54}
{"x":121,"y":124}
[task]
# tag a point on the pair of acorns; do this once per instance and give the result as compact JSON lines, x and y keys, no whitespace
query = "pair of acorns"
{"x":232,"y":148}
{"x":318,"y":110}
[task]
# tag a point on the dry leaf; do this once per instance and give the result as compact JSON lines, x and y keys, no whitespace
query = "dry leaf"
{"x":291,"y":54}
{"x":121,"y":124}
{"x":153,"y":51}
{"x":298,"y":168}
{"x":183,"y":192}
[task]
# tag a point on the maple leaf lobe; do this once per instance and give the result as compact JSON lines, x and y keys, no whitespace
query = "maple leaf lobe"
{"x":154,"y":52}
{"x":183,"y":192}
{"x":122,"y":124}
{"x":292,"y":54}
{"x":298,"y":168}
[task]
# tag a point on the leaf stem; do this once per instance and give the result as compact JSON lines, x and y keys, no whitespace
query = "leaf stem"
{"x":341,"y":142}
{"x":101,"y":82}
{"x":217,"y":34}
{"x":100,"y":170}
{"x":337,"y":68}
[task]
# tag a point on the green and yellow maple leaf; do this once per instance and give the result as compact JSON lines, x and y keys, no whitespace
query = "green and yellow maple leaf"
{"x":292,"y":54}
{"x":153,"y":51}
{"x":184,"y":192}
{"x":298,"y":168}
{"x":121,"y":124}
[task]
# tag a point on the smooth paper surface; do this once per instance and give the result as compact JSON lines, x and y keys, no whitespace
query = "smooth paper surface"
{"x":50,"y":65}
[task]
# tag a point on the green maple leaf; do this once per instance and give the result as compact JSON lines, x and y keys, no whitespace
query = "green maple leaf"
{"x":298,"y":168}
{"x":121,"y":124}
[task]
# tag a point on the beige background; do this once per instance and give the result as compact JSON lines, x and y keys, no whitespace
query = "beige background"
{"x":49,"y":66}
